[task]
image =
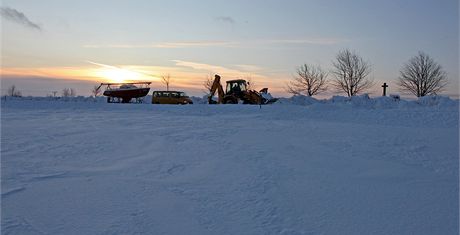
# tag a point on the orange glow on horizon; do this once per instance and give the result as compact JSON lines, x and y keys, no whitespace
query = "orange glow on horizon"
{"x":118,"y":75}
{"x":80,"y":73}
{"x":74,"y":73}
{"x":182,"y":78}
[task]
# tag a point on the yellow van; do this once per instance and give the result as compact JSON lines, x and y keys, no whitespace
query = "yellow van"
{"x":170,"y":97}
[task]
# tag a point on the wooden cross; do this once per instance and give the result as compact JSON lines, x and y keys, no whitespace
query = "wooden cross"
{"x":384,"y":89}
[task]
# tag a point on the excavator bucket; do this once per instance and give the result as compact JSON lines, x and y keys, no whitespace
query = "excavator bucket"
{"x":266,"y":97}
{"x":264,"y":90}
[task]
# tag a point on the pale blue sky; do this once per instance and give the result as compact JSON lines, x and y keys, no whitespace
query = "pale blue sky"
{"x":264,"y":39}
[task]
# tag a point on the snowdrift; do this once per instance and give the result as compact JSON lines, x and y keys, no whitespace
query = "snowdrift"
{"x":364,"y":101}
{"x":361,"y":101}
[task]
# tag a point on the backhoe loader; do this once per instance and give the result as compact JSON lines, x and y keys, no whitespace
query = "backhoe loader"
{"x":236,"y":92}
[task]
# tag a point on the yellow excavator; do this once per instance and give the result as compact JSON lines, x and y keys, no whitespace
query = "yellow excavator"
{"x":236,"y":92}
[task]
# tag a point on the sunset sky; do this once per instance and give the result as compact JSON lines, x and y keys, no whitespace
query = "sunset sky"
{"x":49,"y":45}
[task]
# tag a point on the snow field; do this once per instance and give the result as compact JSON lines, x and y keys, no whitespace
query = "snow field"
{"x":365,"y":166}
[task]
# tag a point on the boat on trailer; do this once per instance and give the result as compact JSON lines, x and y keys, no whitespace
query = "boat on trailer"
{"x":125,"y":92}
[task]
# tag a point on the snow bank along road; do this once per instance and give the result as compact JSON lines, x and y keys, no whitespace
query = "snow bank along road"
{"x":96,"y":168}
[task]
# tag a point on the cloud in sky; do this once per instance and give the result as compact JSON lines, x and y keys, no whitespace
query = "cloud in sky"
{"x":207,"y":67}
{"x":172,"y":45}
{"x":195,"y":44}
{"x":249,"y":67}
{"x":18,"y":17}
{"x":102,"y":65}
{"x":225,"y":19}
{"x":238,"y":72}
{"x":230,"y":44}
{"x":316,"y":41}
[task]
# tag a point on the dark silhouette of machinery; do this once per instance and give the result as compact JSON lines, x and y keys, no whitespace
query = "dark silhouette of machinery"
{"x":236,"y":92}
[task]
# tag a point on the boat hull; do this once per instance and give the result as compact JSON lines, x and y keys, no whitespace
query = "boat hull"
{"x":127,"y":93}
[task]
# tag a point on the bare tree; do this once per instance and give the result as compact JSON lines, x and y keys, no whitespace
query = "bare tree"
{"x":13,"y":91}
{"x":96,"y":91}
{"x":207,"y":84}
{"x":73,"y":92}
{"x":309,"y":80}
{"x":422,"y":76}
{"x":166,"y":79}
{"x":66,"y":92}
{"x":351,"y":73}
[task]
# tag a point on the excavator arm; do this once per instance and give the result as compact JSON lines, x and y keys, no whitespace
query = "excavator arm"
{"x":216,"y":86}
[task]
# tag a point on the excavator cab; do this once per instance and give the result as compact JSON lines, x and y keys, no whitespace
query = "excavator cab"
{"x":236,"y":87}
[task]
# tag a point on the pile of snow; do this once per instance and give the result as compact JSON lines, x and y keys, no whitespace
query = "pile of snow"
{"x":437,"y":101}
{"x":364,"y":101}
{"x":200,"y":100}
{"x":298,"y":100}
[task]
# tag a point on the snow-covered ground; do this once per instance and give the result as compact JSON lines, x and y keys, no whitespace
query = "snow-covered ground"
{"x":299,"y":166}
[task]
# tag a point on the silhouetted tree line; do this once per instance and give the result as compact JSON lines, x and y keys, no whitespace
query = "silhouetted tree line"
{"x":421,"y":76}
